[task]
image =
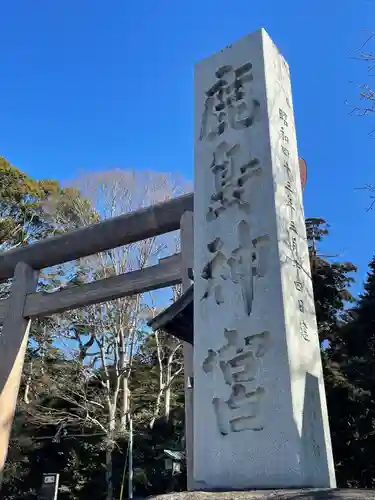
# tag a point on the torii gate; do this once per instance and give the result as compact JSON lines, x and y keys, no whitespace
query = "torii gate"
{"x":25,"y":304}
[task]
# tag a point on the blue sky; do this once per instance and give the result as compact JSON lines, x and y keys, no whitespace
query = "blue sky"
{"x":93,"y":84}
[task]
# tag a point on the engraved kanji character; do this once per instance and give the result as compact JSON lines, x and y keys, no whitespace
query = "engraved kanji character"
{"x":284,"y":137}
{"x":237,"y":360}
{"x":230,"y":176}
{"x":288,"y":170}
{"x":292,"y":226}
{"x":299,"y":283}
{"x":283,"y":116}
{"x":247,"y":261}
{"x":285,"y":151}
{"x":288,"y":186}
{"x":301,"y":306}
{"x":294,"y":245}
{"x":304,"y":330}
{"x":289,"y":200}
{"x":226,"y":103}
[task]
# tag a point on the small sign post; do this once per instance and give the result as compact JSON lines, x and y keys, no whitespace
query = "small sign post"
{"x":50,"y":487}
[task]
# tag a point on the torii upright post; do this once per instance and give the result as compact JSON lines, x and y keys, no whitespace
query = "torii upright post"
{"x":260,"y":416}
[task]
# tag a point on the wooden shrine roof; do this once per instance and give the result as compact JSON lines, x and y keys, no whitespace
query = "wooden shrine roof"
{"x":178,"y":318}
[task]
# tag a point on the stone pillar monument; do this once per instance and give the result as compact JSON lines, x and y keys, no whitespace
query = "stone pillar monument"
{"x":260,"y":416}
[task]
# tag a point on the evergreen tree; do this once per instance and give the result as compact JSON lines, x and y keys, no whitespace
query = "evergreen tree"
{"x":346,"y":398}
{"x":352,"y":392}
{"x":331,"y":282}
{"x":31,"y":210}
{"x":25,"y":206}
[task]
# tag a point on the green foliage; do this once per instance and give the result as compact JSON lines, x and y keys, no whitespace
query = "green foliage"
{"x":331,"y":283}
{"x":34,"y":209}
{"x":351,"y":394}
{"x":348,"y":360}
{"x":21,"y":206}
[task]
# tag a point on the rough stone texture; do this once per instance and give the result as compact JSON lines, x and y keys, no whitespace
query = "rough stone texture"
{"x":274,"y":495}
{"x":260,"y":415}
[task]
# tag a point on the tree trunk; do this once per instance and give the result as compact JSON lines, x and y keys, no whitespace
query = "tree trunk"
{"x":161,"y":382}
{"x":109,"y":472}
{"x":167,"y":402}
{"x":108,"y":453}
{"x":157,"y":408}
{"x":28,"y":384}
{"x":124,"y":410}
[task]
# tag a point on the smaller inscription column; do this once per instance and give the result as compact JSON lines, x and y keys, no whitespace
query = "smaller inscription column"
{"x":260,"y":417}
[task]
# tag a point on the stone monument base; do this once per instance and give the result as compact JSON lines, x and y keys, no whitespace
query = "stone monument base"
{"x":305,"y":494}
